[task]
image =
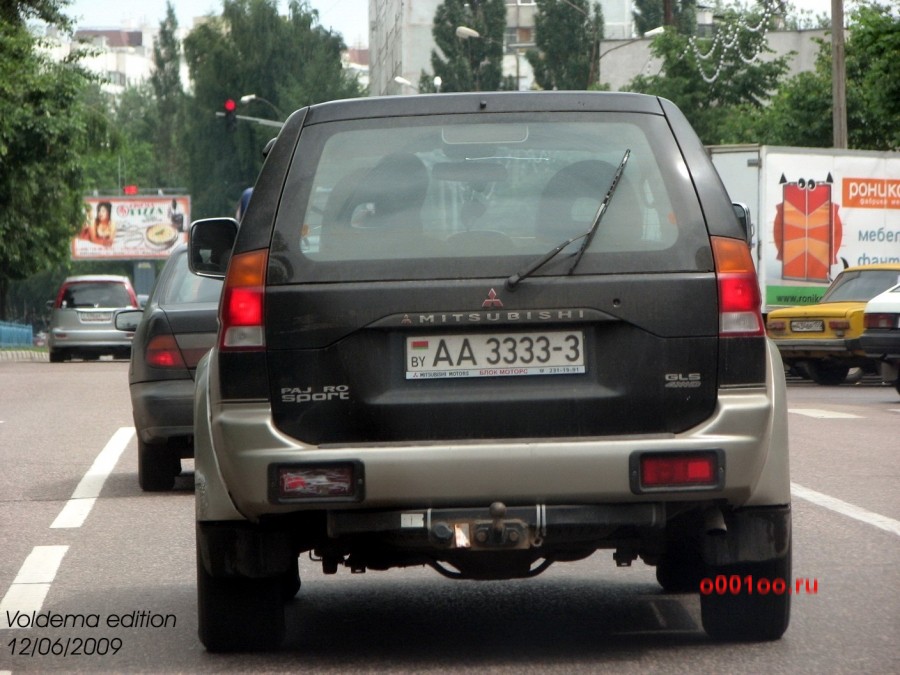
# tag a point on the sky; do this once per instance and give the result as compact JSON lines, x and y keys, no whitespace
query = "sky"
{"x":347,"y":17}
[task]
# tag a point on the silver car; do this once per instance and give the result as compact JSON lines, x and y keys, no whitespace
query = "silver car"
{"x":83,"y":314}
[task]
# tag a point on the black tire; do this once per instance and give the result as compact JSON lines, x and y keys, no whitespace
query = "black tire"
{"x":57,"y":356}
{"x":680,"y":567}
{"x":741,"y":612}
{"x":827,"y":373}
{"x":239,"y":614}
{"x":897,"y":385}
{"x":290,"y":582}
{"x":158,"y":465}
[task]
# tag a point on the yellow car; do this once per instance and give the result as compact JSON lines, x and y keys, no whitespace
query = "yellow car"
{"x":823,"y":339}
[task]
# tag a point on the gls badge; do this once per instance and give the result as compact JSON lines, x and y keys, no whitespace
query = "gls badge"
{"x":682,"y":380}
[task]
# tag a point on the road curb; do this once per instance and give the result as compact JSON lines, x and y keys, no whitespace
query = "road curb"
{"x":23,"y":355}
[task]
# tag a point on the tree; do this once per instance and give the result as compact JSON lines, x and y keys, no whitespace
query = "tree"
{"x":169,"y":94}
{"x":800,"y":112}
{"x":567,"y":37}
{"x":715,"y":80}
{"x":468,"y":63}
{"x":289,"y":61}
{"x":43,"y":135}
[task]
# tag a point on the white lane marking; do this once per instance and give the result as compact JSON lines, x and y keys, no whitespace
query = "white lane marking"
{"x":30,"y":587}
{"x":847,"y":509}
{"x":822,"y":414}
{"x":78,"y":507}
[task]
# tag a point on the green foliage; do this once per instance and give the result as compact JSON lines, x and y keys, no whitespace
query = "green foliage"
{"x":801,"y":112}
{"x":43,"y":133}
{"x":468,"y":64}
{"x":169,"y":98}
{"x":567,"y":37}
{"x":289,"y":61}
{"x":712,"y":91}
{"x":18,"y":12}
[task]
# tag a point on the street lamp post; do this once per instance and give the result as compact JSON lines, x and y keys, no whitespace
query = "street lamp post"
{"x":247,"y":98}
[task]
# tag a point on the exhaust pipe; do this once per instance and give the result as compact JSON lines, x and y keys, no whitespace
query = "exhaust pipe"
{"x":714,"y":522}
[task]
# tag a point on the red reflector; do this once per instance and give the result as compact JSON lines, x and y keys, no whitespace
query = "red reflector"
{"x":679,"y":470}
{"x":317,"y":482}
{"x":839,"y":325}
{"x":163,"y":352}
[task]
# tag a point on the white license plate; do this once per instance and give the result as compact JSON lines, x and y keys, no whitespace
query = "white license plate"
{"x":807,"y":326}
{"x":95,"y":317}
{"x":495,"y":354}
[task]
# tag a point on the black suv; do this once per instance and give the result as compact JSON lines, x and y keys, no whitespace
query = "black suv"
{"x":487,"y":332}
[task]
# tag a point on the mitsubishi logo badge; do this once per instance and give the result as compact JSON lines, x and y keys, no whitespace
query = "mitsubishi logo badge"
{"x":492,"y":300}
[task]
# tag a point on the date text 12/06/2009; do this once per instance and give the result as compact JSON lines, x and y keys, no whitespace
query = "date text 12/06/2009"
{"x":736,"y":584}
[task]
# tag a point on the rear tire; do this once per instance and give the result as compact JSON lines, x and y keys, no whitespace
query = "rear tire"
{"x":747,"y":615}
{"x":57,"y":356}
{"x":158,"y":464}
{"x":680,"y":567}
{"x":239,"y":614}
{"x":827,"y":373}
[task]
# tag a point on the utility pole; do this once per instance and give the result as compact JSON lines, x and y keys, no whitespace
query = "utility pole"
{"x":838,"y":75}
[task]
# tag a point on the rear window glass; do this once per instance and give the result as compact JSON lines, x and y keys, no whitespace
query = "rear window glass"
{"x":186,"y":288}
{"x":95,"y":294}
{"x":861,"y":286}
{"x":465,"y":195}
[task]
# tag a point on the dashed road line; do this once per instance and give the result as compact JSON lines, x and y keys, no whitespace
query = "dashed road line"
{"x":88,"y":489}
{"x":847,"y":509}
{"x":29,"y":589}
{"x":822,"y":414}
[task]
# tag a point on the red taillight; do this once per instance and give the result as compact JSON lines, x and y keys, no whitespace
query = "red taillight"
{"x":242,"y":310}
{"x":881,"y":320}
{"x":683,"y":470}
{"x":739,"y":297}
{"x":839,"y":324}
{"x":162,"y":352}
{"x":777,"y":325}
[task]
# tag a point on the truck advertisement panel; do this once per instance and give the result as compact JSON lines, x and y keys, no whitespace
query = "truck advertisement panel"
{"x":135,"y":227}
{"x":815,"y":212}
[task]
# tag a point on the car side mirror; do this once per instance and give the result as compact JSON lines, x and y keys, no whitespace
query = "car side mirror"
{"x":210,"y":244}
{"x":128,"y":319}
{"x":742,"y":211}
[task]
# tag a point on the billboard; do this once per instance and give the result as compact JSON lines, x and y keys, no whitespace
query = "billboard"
{"x":134,"y":227}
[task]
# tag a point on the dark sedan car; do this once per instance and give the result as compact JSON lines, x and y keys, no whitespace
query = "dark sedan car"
{"x":176,"y":328}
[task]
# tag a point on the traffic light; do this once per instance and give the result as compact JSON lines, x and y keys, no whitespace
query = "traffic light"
{"x":230,"y":114}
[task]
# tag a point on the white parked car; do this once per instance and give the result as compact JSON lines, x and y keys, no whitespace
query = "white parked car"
{"x":881,"y":337}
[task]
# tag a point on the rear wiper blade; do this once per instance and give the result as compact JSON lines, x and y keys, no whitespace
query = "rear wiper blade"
{"x":514,"y":280}
{"x":601,"y":210}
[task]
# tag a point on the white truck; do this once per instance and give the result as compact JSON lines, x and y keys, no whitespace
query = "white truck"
{"x":815,"y":211}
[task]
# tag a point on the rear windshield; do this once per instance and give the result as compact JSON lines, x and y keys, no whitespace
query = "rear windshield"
{"x":95,"y":294}
{"x":861,"y":286}
{"x":458,"y":196}
{"x":186,"y":288}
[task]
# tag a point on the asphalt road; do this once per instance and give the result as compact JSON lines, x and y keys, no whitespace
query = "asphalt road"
{"x":120,"y":564}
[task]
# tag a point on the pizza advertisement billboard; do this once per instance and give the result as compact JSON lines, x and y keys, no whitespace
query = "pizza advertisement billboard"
{"x":134,"y":227}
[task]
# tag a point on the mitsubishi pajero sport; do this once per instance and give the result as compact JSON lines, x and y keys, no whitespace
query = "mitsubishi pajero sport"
{"x":487,"y":332}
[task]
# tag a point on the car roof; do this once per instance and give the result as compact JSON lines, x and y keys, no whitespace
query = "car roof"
{"x":116,"y":278}
{"x":873,"y":266}
{"x":488,"y":102}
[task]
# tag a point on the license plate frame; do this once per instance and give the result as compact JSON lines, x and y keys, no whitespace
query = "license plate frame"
{"x":95,"y":317}
{"x":495,"y":354}
{"x":808,"y":326}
